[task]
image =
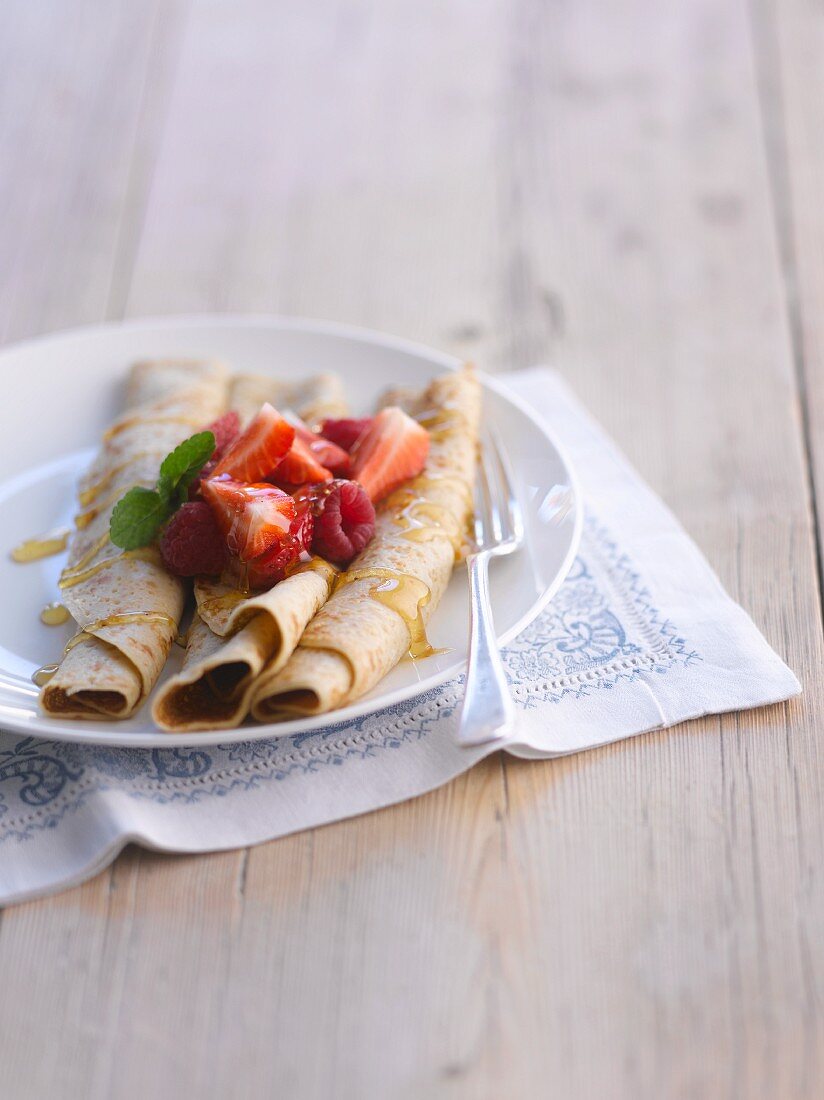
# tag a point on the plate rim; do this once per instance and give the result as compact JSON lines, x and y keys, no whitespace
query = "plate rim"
{"x":63,"y":730}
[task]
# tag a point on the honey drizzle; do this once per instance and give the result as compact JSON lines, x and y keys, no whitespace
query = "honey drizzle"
{"x":315,"y":564}
{"x":221,"y":603}
{"x":415,"y":509}
{"x":83,"y":519}
{"x":43,"y":546}
{"x":423,"y":520}
{"x":54,"y":614}
{"x":70,"y":578}
{"x":125,"y":618}
{"x":131,"y":421}
{"x":79,"y":567}
{"x":405,"y":595}
{"x":442,"y":421}
{"x":41,"y":676}
{"x":87,"y":496}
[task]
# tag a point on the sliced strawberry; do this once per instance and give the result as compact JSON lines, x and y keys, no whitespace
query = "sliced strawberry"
{"x":345,"y":432}
{"x":259,"y":449}
{"x":329,"y":454}
{"x":392,"y":449}
{"x":253,"y":518}
{"x":274,"y":565}
{"x":299,"y":466}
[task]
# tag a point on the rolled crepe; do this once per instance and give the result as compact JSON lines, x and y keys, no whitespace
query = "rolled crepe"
{"x":233,"y":637}
{"x":314,"y":399}
{"x":382,"y":603}
{"x":126,"y":605}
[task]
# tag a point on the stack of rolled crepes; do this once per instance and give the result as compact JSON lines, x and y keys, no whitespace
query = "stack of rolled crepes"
{"x":235,"y":636}
{"x":126,"y":605}
{"x":317,"y":640}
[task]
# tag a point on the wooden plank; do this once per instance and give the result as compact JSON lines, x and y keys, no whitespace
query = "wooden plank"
{"x":78,"y":82}
{"x":517,"y":182}
{"x":790,"y":51}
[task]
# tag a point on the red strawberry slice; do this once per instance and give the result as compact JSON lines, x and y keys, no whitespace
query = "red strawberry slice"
{"x":345,"y":432}
{"x":329,"y":454}
{"x":259,"y":449}
{"x":299,"y":466}
{"x":274,"y":565}
{"x":253,"y":518}
{"x":392,"y":449}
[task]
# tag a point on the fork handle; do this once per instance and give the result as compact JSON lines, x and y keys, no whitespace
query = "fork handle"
{"x":488,"y":713}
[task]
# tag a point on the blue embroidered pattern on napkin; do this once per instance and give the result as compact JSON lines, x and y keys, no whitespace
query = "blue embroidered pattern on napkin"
{"x":601,"y":628}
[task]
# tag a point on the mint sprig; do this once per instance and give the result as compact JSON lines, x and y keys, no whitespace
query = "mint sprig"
{"x":138,"y":516}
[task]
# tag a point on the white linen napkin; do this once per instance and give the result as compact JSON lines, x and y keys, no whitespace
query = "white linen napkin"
{"x":641,"y":635}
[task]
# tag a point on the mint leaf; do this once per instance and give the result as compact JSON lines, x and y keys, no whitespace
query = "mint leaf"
{"x":137,"y":517}
{"x":179,"y":469}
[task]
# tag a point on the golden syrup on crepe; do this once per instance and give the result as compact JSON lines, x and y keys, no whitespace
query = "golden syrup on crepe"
{"x":42,"y":675}
{"x":43,"y":546}
{"x":126,"y":618}
{"x":442,"y":421}
{"x":83,"y":519}
{"x":86,"y":496}
{"x":123,"y":619}
{"x":427,"y":482}
{"x":314,"y":564}
{"x":73,"y":574}
{"x":131,"y":421}
{"x":403,"y":594}
{"x":70,"y":577}
{"x":423,"y":520}
{"x":225,"y":602}
{"x":54,"y":614}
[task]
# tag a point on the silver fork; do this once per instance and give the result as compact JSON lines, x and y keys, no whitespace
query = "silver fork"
{"x":488,"y":712}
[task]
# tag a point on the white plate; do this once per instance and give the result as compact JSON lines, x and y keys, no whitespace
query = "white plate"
{"x":61,"y":391}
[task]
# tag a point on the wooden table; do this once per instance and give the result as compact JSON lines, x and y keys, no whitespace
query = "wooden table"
{"x":632,"y":192}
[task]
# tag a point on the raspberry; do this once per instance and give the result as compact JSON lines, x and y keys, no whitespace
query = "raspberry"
{"x":192,"y":542}
{"x":344,"y":521}
{"x":225,"y":430}
{"x":345,"y":432}
{"x":274,"y":565}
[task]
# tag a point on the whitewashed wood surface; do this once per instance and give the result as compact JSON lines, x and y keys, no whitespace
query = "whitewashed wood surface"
{"x":632,"y":192}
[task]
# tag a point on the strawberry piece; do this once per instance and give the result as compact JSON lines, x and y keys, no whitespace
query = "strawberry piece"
{"x":392,"y":449}
{"x":225,"y":429}
{"x":275,"y":564}
{"x":344,"y":520}
{"x":329,"y":454}
{"x":345,"y":432}
{"x":193,"y":542}
{"x":253,"y":518}
{"x":259,"y":449}
{"x":299,"y":466}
